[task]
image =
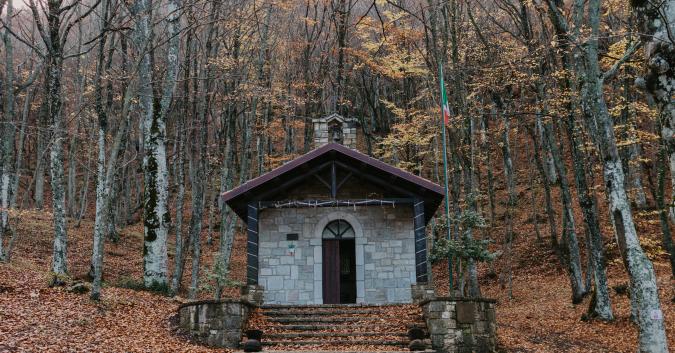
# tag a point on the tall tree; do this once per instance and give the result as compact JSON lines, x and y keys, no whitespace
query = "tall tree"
{"x":54,"y":33}
{"x":7,"y":130}
{"x":199,"y":177}
{"x":652,"y":335}
{"x":156,"y":216}
{"x":657,"y":24}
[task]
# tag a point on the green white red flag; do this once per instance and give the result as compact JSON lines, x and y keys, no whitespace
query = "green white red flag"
{"x":445,"y":108}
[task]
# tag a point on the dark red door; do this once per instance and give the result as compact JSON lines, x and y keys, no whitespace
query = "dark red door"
{"x":331,"y":271}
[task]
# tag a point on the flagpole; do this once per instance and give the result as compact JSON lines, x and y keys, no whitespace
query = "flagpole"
{"x":444,"y":101}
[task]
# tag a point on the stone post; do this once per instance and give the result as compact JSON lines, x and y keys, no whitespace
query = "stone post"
{"x":461,"y":325}
{"x":217,"y":323}
{"x":421,"y":292}
{"x":252,"y":294}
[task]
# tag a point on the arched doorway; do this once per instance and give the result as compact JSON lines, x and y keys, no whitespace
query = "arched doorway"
{"x":339,"y":263}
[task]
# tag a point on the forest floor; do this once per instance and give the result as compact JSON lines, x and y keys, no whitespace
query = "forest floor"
{"x":34,"y":317}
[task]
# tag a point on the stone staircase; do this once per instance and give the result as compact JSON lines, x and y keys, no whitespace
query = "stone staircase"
{"x":338,"y":328}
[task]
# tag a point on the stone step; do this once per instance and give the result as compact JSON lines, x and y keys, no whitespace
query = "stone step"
{"x":324,"y":319}
{"x":319,"y":327}
{"x":331,"y":334}
{"x":337,"y":342}
{"x":299,"y":312}
{"x":329,"y":306}
{"x":338,"y":327}
{"x":342,"y":351}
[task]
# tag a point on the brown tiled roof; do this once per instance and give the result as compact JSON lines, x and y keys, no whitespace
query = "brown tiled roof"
{"x":240,"y":196}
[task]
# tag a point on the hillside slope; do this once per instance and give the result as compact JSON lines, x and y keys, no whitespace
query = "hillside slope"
{"x":34,"y":317}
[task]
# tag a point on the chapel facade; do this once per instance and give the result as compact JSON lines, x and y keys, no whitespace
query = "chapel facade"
{"x":335,"y":226}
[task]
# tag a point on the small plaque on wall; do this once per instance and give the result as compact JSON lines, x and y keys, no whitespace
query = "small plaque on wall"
{"x":292,"y":236}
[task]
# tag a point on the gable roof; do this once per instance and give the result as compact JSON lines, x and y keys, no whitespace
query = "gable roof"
{"x":271,"y":182}
{"x":334,"y":116}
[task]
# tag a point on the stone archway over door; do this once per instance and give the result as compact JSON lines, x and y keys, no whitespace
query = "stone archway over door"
{"x":358,"y":266}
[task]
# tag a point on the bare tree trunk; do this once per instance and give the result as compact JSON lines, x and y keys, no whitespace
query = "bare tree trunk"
{"x":19,"y":154}
{"x":59,"y":266}
{"x":652,"y":335}
{"x":99,"y":223}
{"x":470,"y":199}
{"x":54,"y":40}
{"x":71,"y":189}
{"x":40,"y":151}
{"x":101,"y":183}
{"x":572,"y":253}
{"x":485,"y":146}
{"x":660,"y":204}
{"x":197,"y":188}
{"x":105,"y":189}
{"x":201,"y":140}
{"x":7,"y":131}
{"x":180,"y":200}
{"x":511,"y":202}
{"x":228,"y":220}
{"x":657,"y":24}
{"x":470,"y":196}
{"x":533,"y":200}
{"x":550,"y":212}
{"x":83,"y":192}
{"x":601,"y":305}
{"x":179,"y":258}
{"x":155,"y":199}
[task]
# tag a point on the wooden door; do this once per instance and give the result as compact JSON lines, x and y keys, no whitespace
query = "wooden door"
{"x":331,"y":271}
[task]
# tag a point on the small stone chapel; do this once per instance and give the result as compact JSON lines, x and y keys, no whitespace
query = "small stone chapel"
{"x":335,"y":226}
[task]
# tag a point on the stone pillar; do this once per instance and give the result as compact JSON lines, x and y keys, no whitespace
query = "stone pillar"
{"x":322,"y":133}
{"x":422,"y":292}
{"x":349,"y":135}
{"x":252,"y":294}
{"x":461,"y":325}
{"x":214,"y":323}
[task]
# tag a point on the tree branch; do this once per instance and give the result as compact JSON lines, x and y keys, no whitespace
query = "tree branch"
{"x":627,"y":55}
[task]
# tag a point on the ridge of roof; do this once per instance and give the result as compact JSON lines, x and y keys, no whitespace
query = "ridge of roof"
{"x":309,"y":156}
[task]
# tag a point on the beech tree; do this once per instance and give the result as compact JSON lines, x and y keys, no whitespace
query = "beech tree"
{"x":156,"y":215}
{"x":54,"y":31}
{"x":652,"y":337}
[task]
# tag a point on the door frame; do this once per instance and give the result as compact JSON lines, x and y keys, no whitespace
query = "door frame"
{"x":332,"y":292}
{"x":359,"y":243}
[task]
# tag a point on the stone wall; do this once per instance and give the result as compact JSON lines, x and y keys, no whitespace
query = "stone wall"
{"x":321,"y":133}
{"x":291,"y":271}
{"x":461,"y":325}
{"x":215,"y":323}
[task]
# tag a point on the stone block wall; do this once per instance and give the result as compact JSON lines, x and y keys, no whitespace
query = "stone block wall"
{"x":215,"y":323}
{"x":291,"y":270}
{"x":321,"y":133}
{"x":321,"y":136}
{"x":461,"y":325}
{"x":422,"y":292}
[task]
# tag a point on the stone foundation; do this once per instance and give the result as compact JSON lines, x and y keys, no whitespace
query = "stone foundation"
{"x":461,"y":325}
{"x":215,"y":323}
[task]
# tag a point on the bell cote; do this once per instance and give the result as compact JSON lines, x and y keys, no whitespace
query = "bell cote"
{"x":335,"y":129}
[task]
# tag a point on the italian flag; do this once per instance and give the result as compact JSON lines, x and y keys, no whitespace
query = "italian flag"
{"x":445,"y":108}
